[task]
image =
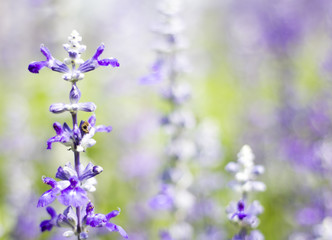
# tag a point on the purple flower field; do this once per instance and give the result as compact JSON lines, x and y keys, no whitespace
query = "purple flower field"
{"x":186,"y":120}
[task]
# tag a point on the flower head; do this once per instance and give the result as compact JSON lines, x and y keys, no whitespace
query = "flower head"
{"x":74,"y":107}
{"x":245,"y":172}
{"x":47,"y":225}
{"x":73,"y":195}
{"x":86,"y":175}
{"x":51,"y":62}
{"x":88,"y":130}
{"x":101,"y":220}
{"x":49,"y":196}
{"x":81,"y":137}
{"x":64,"y":135}
{"x":164,"y":200}
{"x":79,"y":66}
{"x":243,"y":214}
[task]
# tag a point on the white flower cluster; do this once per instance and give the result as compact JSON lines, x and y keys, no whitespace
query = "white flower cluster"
{"x":74,"y":48}
{"x":246,"y":172}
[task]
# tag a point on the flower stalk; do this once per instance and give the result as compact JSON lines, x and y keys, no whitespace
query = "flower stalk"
{"x":75,"y":181}
{"x":242,"y":213}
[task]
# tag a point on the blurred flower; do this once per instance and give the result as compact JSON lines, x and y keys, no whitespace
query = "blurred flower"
{"x":242,"y":213}
{"x":245,"y":215}
{"x":253,"y":235}
{"x":164,"y":200}
{"x":310,"y":215}
{"x":323,"y":231}
{"x":245,"y":172}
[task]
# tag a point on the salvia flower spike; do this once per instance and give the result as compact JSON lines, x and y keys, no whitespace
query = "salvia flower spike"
{"x":75,"y":181}
{"x":243,"y":213}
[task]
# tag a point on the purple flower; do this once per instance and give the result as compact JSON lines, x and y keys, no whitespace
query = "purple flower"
{"x":86,"y":175}
{"x":165,"y":235}
{"x":90,"y":171}
{"x":68,"y":218}
{"x":64,"y":135}
{"x":156,"y":74}
{"x":244,"y":215}
{"x":164,"y":200}
{"x":49,"y":224}
{"x":73,"y":195}
{"x":62,"y":107}
{"x":50,"y":62}
{"x":88,"y":130}
{"x":74,"y":49}
{"x":101,"y":220}
{"x":94,"y":62}
{"x":82,"y":137}
{"x":49,"y":196}
{"x":75,"y":94}
{"x":310,"y":215}
{"x":254,"y":235}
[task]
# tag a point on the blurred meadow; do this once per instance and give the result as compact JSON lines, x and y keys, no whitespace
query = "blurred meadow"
{"x":260,"y":74}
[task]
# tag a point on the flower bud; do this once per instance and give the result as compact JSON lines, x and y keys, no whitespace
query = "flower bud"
{"x":75,"y":94}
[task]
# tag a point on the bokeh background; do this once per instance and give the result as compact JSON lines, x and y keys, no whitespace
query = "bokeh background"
{"x":260,"y":72}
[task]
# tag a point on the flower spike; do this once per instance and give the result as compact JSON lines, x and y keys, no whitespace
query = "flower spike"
{"x":75,"y":181}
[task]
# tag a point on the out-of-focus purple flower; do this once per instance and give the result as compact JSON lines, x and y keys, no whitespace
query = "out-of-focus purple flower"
{"x":180,"y":230}
{"x":302,"y":152}
{"x":164,"y":200}
{"x":47,"y":225}
{"x":205,"y":208}
{"x":179,"y":119}
{"x":139,"y":164}
{"x":165,"y":235}
{"x":27,"y":222}
{"x":177,"y":93}
{"x":181,"y":149}
{"x":101,"y":220}
{"x":211,"y":233}
{"x":156,"y":73}
{"x":245,"y":172}
{"x":300,"y":236}
{"x":245,"y":215}
{"x":253,"y":235}
{"x":310,"y":216}
{"x":306,"y":140}
{"x":280,"y":28}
